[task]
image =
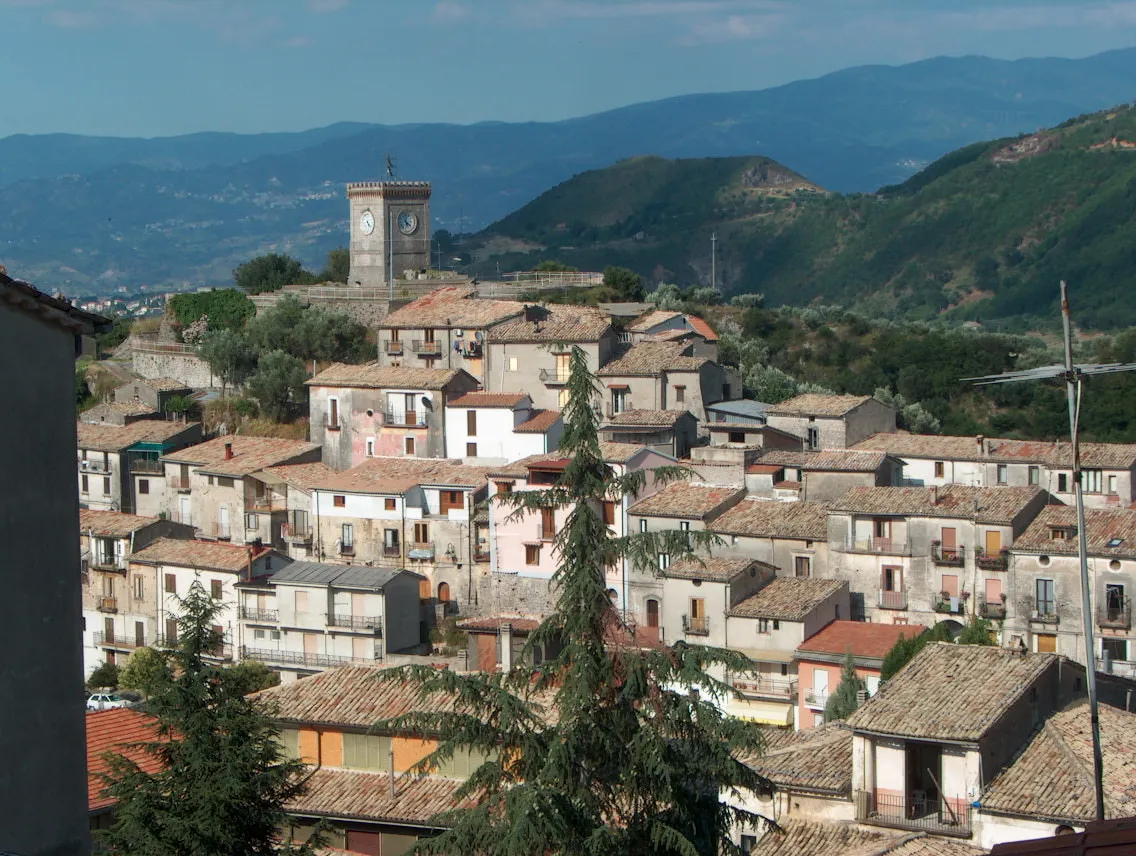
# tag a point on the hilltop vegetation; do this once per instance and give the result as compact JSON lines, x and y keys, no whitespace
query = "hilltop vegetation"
{"x":983,"y":234}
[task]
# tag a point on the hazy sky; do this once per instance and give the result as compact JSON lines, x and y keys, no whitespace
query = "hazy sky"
{"x":157,"y":67}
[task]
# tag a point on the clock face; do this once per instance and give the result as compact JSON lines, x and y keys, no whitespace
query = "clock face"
{"x":367,"y":222}
{"x":407,"y":223}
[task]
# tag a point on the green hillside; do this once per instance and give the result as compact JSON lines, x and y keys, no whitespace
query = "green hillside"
{"x":983,"y":234}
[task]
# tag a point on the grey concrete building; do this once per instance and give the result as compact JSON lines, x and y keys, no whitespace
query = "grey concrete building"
{"x":820,"y":476}
{"x":831,"y":421}
{"x":155,"y":393}
{"x":43,"y":777}
{"x":672,"y":432}
{"x":390,"y":230}
{"x":791,"y":536}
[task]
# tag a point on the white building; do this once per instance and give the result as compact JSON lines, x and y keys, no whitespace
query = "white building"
{"x":499,"y":427}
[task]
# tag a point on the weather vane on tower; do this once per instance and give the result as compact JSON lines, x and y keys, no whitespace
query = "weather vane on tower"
{"x":390,"y":166}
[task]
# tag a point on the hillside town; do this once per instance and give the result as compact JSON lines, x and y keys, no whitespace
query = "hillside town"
{"x":811,"y":537}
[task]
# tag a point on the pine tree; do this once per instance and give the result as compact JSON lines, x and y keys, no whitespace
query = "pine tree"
{"x":843,"y":703}
{"x":602,"y":750}
{"x":223,"y":781}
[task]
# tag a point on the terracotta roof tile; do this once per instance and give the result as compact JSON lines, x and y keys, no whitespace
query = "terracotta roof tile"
{"x":111,"y":731}
{"x":160,"y":384}
{"x":198,"y":554}
{"x":755,"y":518}
{"x":302,"y":476}
{"x":494,"y":622}
{"x":950,"y":448}
{"x":950,"y":692}
{"x":831,"y":460}
{"x":552,"y":323}
{"x":652,"y":358}
{"x":539,"y":423}
{"x":827,"y":838}
{"x":489,"y":399}
{"x":655,"y":317}
{"x":998,"y":505}
{"x":111,"y":524}
{"x":1053,"y":776}
{"x":815,"y":404}
{"x":450,"y":307}
{"x":788,"y":598}
{"x":249,"y":454}
{"x":397,"y":475}
{"x":367,"y":796}
{"x":122,"y":408}
{"x":1102,"y":526}
{"x":113,"y":438}
{"x":686,"y":500}
{"x":647,"y":418}
{"x":866,"y":640}
{"x":374,"y":376}
{"x":702,"y":327}
{"x":715,"y":569}
{"x":613,"y":453}
{"x":818,"y":760}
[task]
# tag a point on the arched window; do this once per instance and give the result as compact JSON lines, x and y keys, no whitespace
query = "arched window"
{"x":443,"y":592}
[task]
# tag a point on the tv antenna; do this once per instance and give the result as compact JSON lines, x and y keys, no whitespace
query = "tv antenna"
{"x":390,"y":165}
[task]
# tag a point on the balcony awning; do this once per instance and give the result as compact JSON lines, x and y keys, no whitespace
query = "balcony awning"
{"x":421,"y":553}
{"x":762,"y":712}
{"x":767,"y":655}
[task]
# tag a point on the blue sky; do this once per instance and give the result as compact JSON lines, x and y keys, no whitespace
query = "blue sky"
{"x":159,"y":67}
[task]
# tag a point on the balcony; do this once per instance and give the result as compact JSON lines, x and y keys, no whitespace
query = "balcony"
{"x":481,"y":555}
{"x":1044,"y":612}
{"x":177,"y":483}
{"x":948,"y":557}
{"x":346,"y":549}
{"x":108,"y":563}
{"x":95,"y":468}
{"x":369,"y":623}
{"x":146,"y":467}
{"x":781,"y":689}
{"x":216,"y":532}
{"x":392,"y":348}
{"x":407,"y":419}
{"x":882,"y":546}
{"x":1116,"y":616}
{"x":296,"y":534}
{"x":951,"y":605}
{"x":184,"y":519}
{"x":299,"y":658}
{"x":427,"y":349}
{"x":696,"y":626}
{"x":264,"y":616}
{"x":612,"y":410}
{"x":992,"y":561}
{"x":892,"y":599}
{"x":422,"y":552}
{"x":392,"y":551}
{"x":108,"y":603}
{"x":267,"y":502}
{"x":552,"y":377}
{"x":111,"y":640}
{"x":816,"y":699}
{"x":993,"y":610}
{"x":939,"y":817}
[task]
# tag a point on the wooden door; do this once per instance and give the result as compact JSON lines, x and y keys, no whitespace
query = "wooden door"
{"x":950,"y":542}
{"x":652,"y":613}
{"x":993,"y":542}
{"x":139,"y":633}
{"x":1046,"y":643}
{"x":950,"y":585}
{"x":993,"y":591}
{"x":443,"y":592}
{"x":311,"y":643}
{"x":108,"y":629}
{"x":562,"y":366}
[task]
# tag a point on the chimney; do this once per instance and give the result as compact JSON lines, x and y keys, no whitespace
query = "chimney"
{"x":228,"y":451}
{"x":934,"y":494}
{"x":980,"y":443}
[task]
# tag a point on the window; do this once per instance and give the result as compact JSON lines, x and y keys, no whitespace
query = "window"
{"x":749,"y":842}
{"x":390,"y":504}
{"x":1045,"y":643}
{"x":664,"y":561}
{"x":106,"y":486}
{"x":471,"y":423}
{"x":504,"y":487}
{"x":171,"y":584}
{"x":802,"y":566}
{"x":763,"y":625}
{"x":735,"y":437}
{"x":608,"y":508}
{"x":410,"y":446}
{"x":1114,"y":649}
{"x":83,"y":484}
{"x":643,"y":524}
{"x":471,"y":450}
{"x":1091,"y":481}
{"x":391,"y":546}
{"x":370,"y":453}
{"x":143,"y":486}
{"x":171,"y":632}
{"x":940,"y":470}
{"x":1062,"y":482}
{"x":892,"y":578}
{"x":366,"y":752}
{"x":1034,"y":475}
{"x":1045,"y":603}
{"x":680,"y":394}
{"x":512,"y":364}
{"x":532,"y":554}
{"x":698,"y":622}
{"x":251,"y":522}
{"x":1112,"y":485}
{"x":215,"y":589}
{"x":421,"y":533}
{"x":139,"y":587}
{"x":812,"y":438}
{"x":1002,"y":478}
{"x":451,"y":500}
{"x":547,"y":523}
{"x":347,"y":538}
{"x":949,"y":585}
{"x":562,"y":398}
{"x":339,"y":501}
{"x":333,"y":414}
{"x":258,"y":634}
{"x":300,"y":602}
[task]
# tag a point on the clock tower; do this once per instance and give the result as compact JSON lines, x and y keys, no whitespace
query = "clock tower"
{"x":390,"y":230}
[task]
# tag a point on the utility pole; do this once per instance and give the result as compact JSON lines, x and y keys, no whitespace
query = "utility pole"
{"x":714,"y":260}
{"x":1074,"y":377}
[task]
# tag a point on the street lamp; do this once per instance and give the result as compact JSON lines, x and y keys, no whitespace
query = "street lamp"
{"x":1074,"y":376}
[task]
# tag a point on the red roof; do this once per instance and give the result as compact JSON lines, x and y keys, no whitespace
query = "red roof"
{"x":112,"y":731}
{"x":702,"y":328}
{"x":864,"y":639}
{"x":1103,"y":837}
{"x":539,"y":422}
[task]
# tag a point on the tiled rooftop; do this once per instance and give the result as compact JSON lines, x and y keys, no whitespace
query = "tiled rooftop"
{"x":947,"y":448}
{"x":788,"y":598}
{"x":814,"y":404}
{"x":951,"y":692}
{"x":702,"y":327}
{"x":755,"y":518}
{"x":122,"y":408}
{"x":158,"y":384}
{"x":871,"y":641}
{"x":648,"y":418}
{"x":817,"y":760}
{"x":715,"y":568}
{"x":198,"y":554}
{"x":374,"y":376}
{"x":829,"y":838}
{"x":367,"y":796}
{"x":489,"y":399}
{"x":1053,"y":777}
{"x":552,"y":323}
{"x":1102,"y":526}
{"x":652,"y":358}
{"x":997,"y":505}
{"x":397,"y":475}
{"x":450,"y":307}
{"x":645,"y":322}
{"x":249,"y":454}
{"x":686,"y":500}
{"x":302,"y":476}
{"x":112,"y":731}
{"x":112,"y":438}
{"x":540,"y":422}
{"x":831,"y":460}
{"x":613,"y":453}
{"x":111,"y":524}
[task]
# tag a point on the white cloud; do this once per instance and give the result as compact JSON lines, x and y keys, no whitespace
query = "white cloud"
{"x":735,"y":28}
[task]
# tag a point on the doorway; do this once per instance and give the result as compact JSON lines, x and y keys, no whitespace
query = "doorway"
{"x":924,"y":772}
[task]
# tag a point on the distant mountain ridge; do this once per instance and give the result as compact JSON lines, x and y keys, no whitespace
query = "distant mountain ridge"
{"x":88,"y":215}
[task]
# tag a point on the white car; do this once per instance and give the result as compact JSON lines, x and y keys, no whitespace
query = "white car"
{"x":105,"y":701}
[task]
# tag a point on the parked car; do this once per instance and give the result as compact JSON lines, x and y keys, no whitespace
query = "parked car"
{"x":105,"y":701}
